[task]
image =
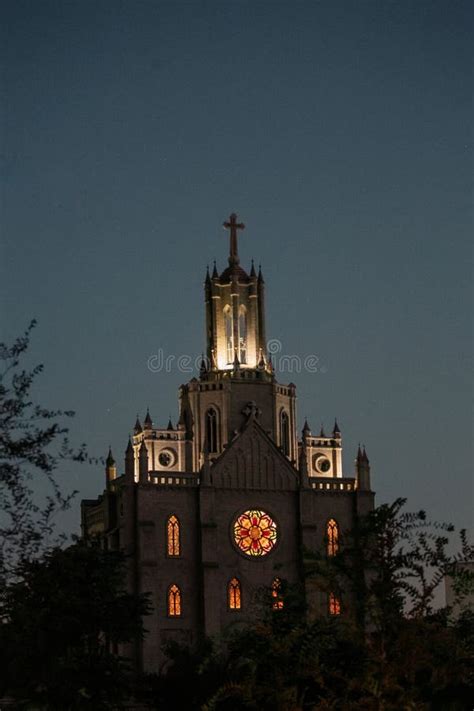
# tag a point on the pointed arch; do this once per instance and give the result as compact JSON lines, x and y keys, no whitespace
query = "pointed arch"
{"x":174,"y":601}
{"x":277,"y":598}
{"x":332,"y":535}
{"x":284,"y":432}
{"x":242,"y":334}
{"x":334,"y":604}
{"x":234,"y":594}
{"x":212,"y":430}
{"x":173,"y":536}
{"x":229,"y":334}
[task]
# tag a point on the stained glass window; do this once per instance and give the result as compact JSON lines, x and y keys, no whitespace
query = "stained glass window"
{"x":284,"y":433}
{"x":334,"y":604}
{"x":173,"y":534}
{"x":255,"y":533}
{"x":277,"y":598}
{"x":332,"y":533}
{"x":234,"y":594}
{"x":174,"y":601}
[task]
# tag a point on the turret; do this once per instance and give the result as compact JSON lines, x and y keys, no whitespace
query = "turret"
{"x":362,"y":470}
{"x":143,"y":464}
{"x":110,"y":468}
{"x":129,"y":462}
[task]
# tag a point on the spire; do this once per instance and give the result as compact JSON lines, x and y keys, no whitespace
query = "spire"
{"x":203,"y":366}
{"x":364,"y":455}
{"x":306,"y":428}
{"x":336,"y":432}
{"x":129,"y":449}
{"x":138,"y":427}
{"x":110,"y":461}
{"x":260,"y":275}
{"x":252,"y":270}
{"x":321,"y":433}
{"x":207,"y":280}
{"x":148,"y":421}
{"x":215,"y":273}
{"x":232,"y":225}
{"x":359,"y":454}
{"x":170,"y":424}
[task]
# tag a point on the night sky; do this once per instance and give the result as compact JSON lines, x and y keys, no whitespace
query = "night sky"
{"x":340,"y":132}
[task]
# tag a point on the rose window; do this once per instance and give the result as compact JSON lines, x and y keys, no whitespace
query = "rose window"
{"x":255,"y":533}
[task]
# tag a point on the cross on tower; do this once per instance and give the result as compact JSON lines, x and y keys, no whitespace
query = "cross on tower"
{"x":233,"y":226}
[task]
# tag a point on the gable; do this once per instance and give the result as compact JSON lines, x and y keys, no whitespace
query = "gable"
{"x":252,"y":461}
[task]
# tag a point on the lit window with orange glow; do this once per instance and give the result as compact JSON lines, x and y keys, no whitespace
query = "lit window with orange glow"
{"x":174,"y":601}
{"x":234,"y":594}
{"x":277,"y":599}
{"x":173,"y":536}
{"x":332,"y":533}
{"x":334,"y":604}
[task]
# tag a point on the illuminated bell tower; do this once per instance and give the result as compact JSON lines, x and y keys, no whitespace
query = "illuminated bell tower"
{"x":235,"y":313}
{"x":237,"y":373}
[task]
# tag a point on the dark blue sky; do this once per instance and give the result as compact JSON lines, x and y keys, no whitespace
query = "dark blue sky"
{"x":340,"y":132}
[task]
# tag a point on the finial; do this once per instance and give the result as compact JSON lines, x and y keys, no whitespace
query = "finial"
{"x":261,"y":361}
{"x":170,"y":424}
{"x":208,"y":278}
{"x":232,"y":225}
{"x":252,"y":270}
{"x":129,"y":449}
{"x":336,"y":431}
{"x":203,"y":366}
{"x":321,"y":434}
{"x":148,"y":421}
{"x":260,"y":275}
{"x":215,"y":274}
{"x":306,"y":427}
{"x":359,"y":453}
{"x":138,"y":427}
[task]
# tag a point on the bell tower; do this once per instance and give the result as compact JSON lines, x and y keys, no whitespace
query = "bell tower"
{"x":237,"y":372}
{"x":235,"y":313}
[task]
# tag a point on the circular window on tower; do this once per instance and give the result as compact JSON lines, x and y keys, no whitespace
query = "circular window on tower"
{"x":321,"y":463}
{"x":255,"y":533}
{"x":167,"y":458}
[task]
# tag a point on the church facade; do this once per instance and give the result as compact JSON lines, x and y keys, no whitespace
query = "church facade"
{"x":213,"y":509}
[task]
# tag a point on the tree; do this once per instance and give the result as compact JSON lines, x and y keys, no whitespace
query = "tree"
{"x":33,"y":442}
{"x":63,"y":620}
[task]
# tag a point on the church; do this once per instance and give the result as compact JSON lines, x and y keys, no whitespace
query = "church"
{"x":223,"y":503}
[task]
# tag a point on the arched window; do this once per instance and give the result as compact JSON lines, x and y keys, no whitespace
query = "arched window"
{"x":334,"y":604}
{"x":174,"y":601}
{"x":234,"y":594}
{"x":332,"y":533}
{"x":211,"y":430}
{"x":284,"y":433}
{"x":243,"y":334}
{"x":277,"y":599}
{"x":229,"y":334}
{"x":173,"y":536}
